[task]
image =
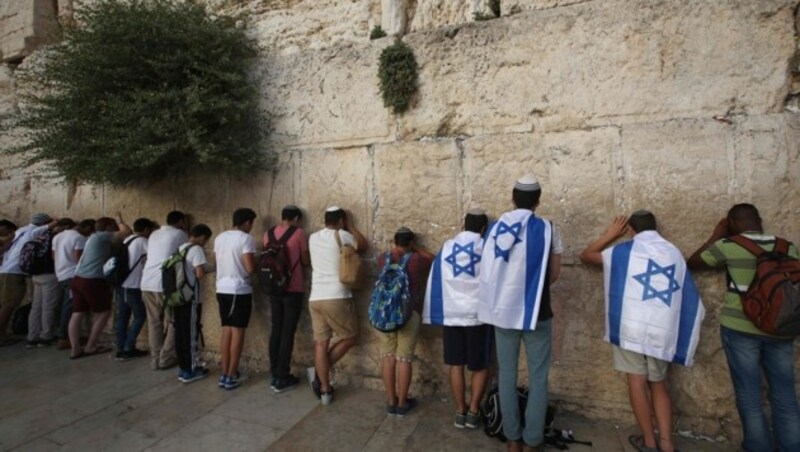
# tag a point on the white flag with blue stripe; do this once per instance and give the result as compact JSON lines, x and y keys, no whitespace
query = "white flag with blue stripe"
{"x":652,"y":304}
{"x":451,"y":297}
{"x":513,"y":269}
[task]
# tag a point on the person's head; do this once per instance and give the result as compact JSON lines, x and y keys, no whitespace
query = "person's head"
{"x":106,"y":224}
{"x":642,"y":220}
{"x":63,"y":224}
{"x":144,"y":227}
{"x":404,"y":238}
{"x":40,"y":219}
{"x":86,"y":227}
{"x":291,"y":214}
{"x":200,"y":234}
{"x":334,"y":217}
{"x":176,"y":219}
{"x":526,"y":193}
{"x":7,"y":228}
{"x":744,"y":218}
{"x":476,"y":221}
{"x":243,"y":219}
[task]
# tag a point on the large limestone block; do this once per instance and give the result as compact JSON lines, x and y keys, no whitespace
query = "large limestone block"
{"x":26,"y":25}
{"x":600,"y":63}
{"x":7,"y":98}
{"x":394,"y":17}
{"x":418,"y":185}
{"x":326,"y":98}
{"x":430,"y":14}
{"x":574,"y":168}
{"x":516,"y":6}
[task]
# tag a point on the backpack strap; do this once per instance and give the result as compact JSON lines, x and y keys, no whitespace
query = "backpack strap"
{"x":748,"y":244}
{"x":404,"y":260}
{"x":286,"y":235}
{"x":781,"y":246}
{"x":141,"y":258}
{"x":338,"y":239}
{"x":271,"y":235}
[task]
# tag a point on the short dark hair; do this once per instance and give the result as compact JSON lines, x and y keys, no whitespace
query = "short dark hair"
{"x":200,"y":230}
{"x":744,"y":211}
{"x":526,"y":199}
{"x":105,"y":224}
{"x":291,"y":212}
{"x":404,"y":238}
{"x":333,"y":217}
{"x":243,"y":215}
{"x":143,"y":223}
{"x":642,"y":220}
{"x":175,"y":217}
{"x":8,"y":224}
{"x":87,"y":223}
{"x":66,"y":223}
{"x":475,"y":223}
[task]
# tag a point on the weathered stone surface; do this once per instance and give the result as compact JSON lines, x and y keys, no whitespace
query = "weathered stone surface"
{"x":394,"y":17}
{"x":549,"y":71}
{"x":24,"y":26}
{"x":7,"y":98}
{"x":517,"y":6}
{"x":430,"y":14}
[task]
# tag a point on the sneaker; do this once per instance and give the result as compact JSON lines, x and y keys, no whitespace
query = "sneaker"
{"x":313,"y":381}
{"x":63,"y":344}
{"x":391,"y":410}
{"x":285,"y":384}
{"x":223,"y":380}
{"x":405,"y":409}
{"x":460,"y":421}
{"x":43,"y":344}
{"x":272,"y":382}
{"x":121,"y":356}
{"x":29,"y":345}
{"x":232,"y":383}
{"x":473,"y":420}
{"x":326,"y":397}
{"x":197,"y":374}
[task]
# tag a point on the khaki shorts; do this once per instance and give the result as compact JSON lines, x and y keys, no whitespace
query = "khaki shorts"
{"x":401,"y":343}
{"x":329,"y":317}
{"x":12,"y":289}
{"x":638,"y":364}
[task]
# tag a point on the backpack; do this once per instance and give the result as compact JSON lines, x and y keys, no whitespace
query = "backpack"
{"x":390,"y":305}
{"x":349,"y":264}
{"x":36,"y":257}
{"x":772,"y":300}
{"x":274,"y":265}
{"x":174,"y":281}
{"x":116,"y":268}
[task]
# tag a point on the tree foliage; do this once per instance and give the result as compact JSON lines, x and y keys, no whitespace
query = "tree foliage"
{"x":397,"y":76}
{"x":142,"y":90}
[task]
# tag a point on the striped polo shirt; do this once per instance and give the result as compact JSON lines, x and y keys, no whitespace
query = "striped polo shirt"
{"x":741,"y":266}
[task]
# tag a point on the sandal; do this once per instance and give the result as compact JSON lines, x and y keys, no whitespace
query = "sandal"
{"x":637,"y":441}
{"x":99,"y":350}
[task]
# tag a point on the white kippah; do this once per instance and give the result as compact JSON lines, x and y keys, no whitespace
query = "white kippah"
{"x":333,"y":209}
{"x":476,"y":211}
{"x":527,"y":183}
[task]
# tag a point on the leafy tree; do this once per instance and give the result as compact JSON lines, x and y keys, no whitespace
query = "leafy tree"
{"x":141,"y":90}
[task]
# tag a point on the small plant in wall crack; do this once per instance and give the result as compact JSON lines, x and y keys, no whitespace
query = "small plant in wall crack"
{"x":376,"y":33}
{"x":397,"y":76}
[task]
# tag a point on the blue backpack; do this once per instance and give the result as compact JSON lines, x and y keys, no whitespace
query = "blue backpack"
{"x":390,"y":306}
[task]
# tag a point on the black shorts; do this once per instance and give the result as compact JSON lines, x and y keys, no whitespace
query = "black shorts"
{"x":468,"y":345}
{"x":234,"y":310}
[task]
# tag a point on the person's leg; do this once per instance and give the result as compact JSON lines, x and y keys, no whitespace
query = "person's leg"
{"x":777,"y":360}
{"x":538,"y":351}
{"x":292,"y":309}
{"x":181,"y":318}
{"x":457,"y":387}
{"x":662,"y":405}
{"x":406,"y":346}
{"x":479,"y":357}
{"x":507,"y":363}
{"x":133,"y":297}
{"x":388,"y":372}
{"x":743,"y":353}
{"x":236,"y":347}
{"x":404,"y":374}
{"x":195,"y":333}
{"x":99,"y":321}
{"x":322,"y":363}
{"x":12,"y":291}
{"x":75,"y":333}
{"x":99,"y":296}
{"x":477,"y":387}
{"x":66,"y":309}
{"x":123,"y":316}
{"x":35,"y":315}
{"x":642,"y":409}
{"x":50,"y":301}
{"x":276,"y":303}
{"x":155,"y":326}
{"x":166,"y":357}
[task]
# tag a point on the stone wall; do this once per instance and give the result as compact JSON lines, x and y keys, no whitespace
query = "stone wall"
{"x":675,"y":106}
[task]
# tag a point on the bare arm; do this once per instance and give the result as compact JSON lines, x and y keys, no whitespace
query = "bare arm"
{"x":305,"y":258}
{"x":593,"y":254}
{"x":124,"y":229}
{"x":361,"y":241}
{"x":554,"y":266}
{"x":199,"y":272}
{"x":249,"y":260}
{"x":695,"y":262}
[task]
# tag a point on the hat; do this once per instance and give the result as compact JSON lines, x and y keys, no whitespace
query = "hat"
{"x":527,"y":183}
{"x":333,"y":209}
{"x":40,"y":218}
{"x":477,"y":211}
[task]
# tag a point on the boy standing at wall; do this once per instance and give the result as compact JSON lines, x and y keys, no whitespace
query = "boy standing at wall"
{"x":67,"y":249}
{"x":236,"y":262}
{"x":397,"y":347}
{"x":653,"y":316}
{"x":451,"y":301}
{"x":187,"y":317}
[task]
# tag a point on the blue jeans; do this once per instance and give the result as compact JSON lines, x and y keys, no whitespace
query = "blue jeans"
{"x":129,"y":301}
{"x":537,"y":351}
{"x":748,"y":355}
{"x":66,"y":309}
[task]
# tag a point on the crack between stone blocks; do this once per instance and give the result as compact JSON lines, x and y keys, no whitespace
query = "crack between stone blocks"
{"x":374,"y":201}
{"x":461,"y":175}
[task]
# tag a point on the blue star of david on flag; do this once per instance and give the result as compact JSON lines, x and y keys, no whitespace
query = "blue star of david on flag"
{"x":650,"y":292}
{"x":472,"y":259}
{"x":503,"y":229}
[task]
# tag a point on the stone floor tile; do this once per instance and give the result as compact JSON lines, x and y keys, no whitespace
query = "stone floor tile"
{"x":257,"y":403}
{"x":218,"y":433}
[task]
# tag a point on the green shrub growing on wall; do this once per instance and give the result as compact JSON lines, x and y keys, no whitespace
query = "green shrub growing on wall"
{"x":143,"y":90}
{"x":397,"y":74}
{"x":376,"y":33}
{"x":494,"y":5}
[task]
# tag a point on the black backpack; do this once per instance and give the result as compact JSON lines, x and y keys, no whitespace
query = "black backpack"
{"x":117,"y":269}
{"x":274,"y":267}
{"x":36,"y":256}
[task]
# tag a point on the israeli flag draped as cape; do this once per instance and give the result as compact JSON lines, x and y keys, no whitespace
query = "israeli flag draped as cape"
{"x":652,"y":304}
{"x":451,"y":297}
{"x":513,"y":268}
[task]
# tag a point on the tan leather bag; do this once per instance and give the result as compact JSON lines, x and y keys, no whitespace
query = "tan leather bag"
{"x":349,"y":264}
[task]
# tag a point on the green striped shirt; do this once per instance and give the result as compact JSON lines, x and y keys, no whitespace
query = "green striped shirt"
{"x":741,"y":266}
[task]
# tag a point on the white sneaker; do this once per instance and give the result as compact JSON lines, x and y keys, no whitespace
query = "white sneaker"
{"x":327,"y":397}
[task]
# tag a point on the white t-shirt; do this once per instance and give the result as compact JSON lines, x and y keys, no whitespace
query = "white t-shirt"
{"x":194,"y":258}
{"x":324,"y":252}
{"x":230,"y":248}
{"x":137,"y":256}
{"x":160,"y":246}
{"x":22,"y":236}
{"x":64,"y":246}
